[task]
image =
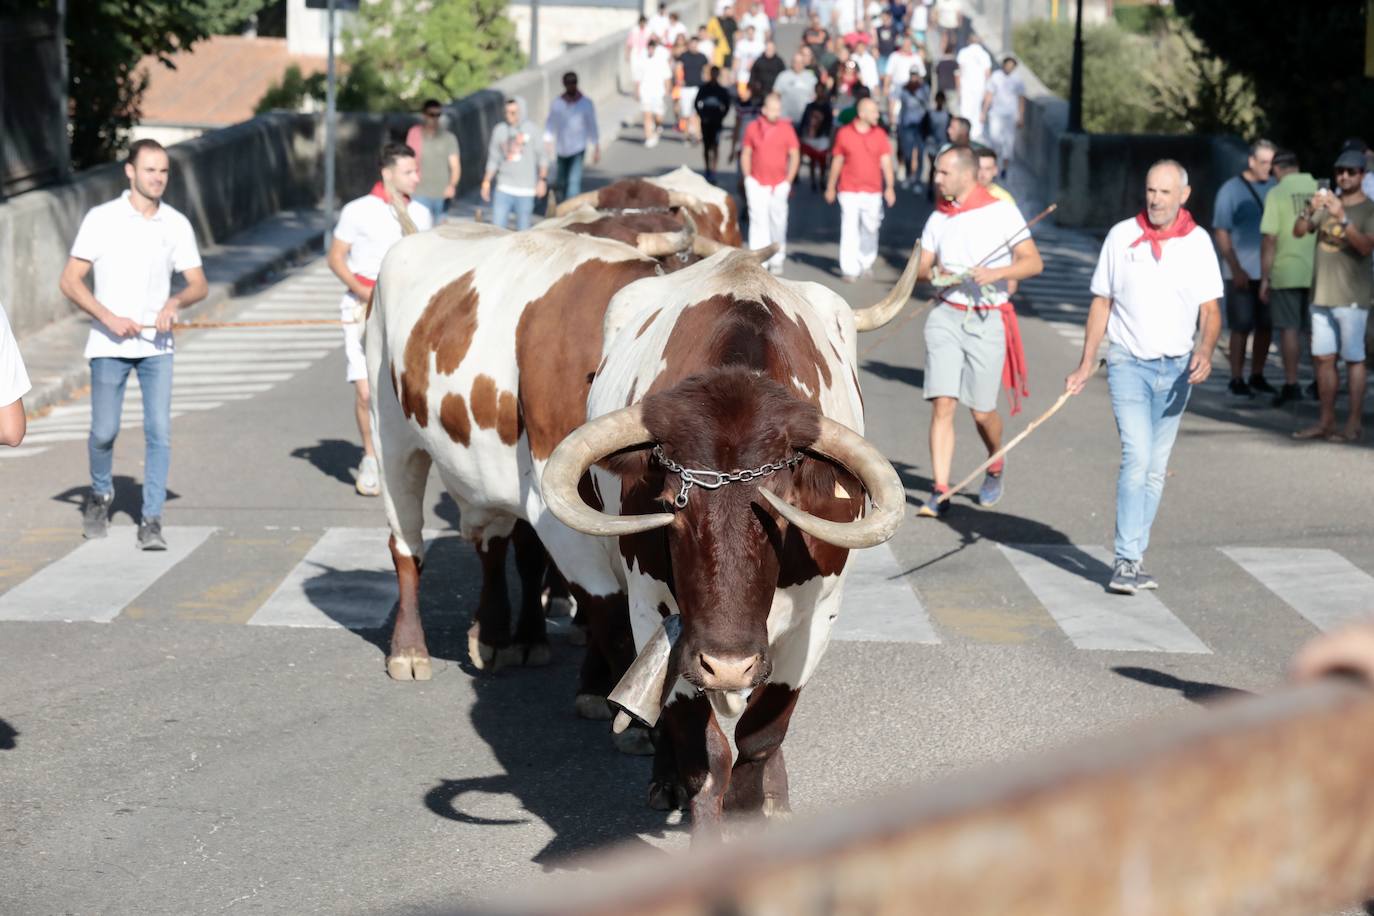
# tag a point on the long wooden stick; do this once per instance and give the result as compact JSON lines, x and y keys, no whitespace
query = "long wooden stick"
{"x":275,"y":323}
{"x":1001,"y":452}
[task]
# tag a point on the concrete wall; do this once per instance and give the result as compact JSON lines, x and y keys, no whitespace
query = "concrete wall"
{"x":228,"y":180}
{"x":565,"y":27}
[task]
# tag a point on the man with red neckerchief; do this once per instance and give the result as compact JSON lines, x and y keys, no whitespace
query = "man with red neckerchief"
{"x":973,"y":245}
{"x":367,"y":229}
{"x":1155,"y":299}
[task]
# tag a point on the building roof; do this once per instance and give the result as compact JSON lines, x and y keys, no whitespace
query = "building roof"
{"x":218,"y":81}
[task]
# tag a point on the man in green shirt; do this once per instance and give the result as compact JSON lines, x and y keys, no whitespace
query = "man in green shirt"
{"x":436,"y":153}
{"x":1286,"y":265}
{"x":1342,"y":289}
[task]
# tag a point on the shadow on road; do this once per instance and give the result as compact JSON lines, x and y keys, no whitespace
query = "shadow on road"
{"x":907,"y":375}
{"x":333,"y":457}
{"x":7,"y":735}
{"x":1199,"y":692}
{"x":128,"y":497}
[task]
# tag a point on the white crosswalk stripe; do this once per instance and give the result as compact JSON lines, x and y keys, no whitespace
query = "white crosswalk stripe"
{"x":98,"y":579}
{"x":879,"y":605}
{"x":1070,"y":583}
{"x":1321,"y":585}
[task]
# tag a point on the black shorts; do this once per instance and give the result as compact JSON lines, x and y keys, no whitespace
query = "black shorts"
{"x":1288,"y":308}
{"x":710,"y":132}
{"x":1244,"y":310}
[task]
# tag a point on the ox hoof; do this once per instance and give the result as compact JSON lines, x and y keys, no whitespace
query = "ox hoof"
{"x":634,"y":741}
{"x":537,"y":655}
{"x":409,"y":666}
{"x":591,"y":706}
{"x":505,"y":657}
{"x":667,"y":796}
{"x":776,"y":809}
{"x":558,"y":607}
{"x":479,"y":653}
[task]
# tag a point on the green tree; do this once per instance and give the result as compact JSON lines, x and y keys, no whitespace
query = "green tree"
{"x":1115,"y":97}
{"x":1306,"y":63}
{"x":105,"y":41}
{"x":410,"y":50}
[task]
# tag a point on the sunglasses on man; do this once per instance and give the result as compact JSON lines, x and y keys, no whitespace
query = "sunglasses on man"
{"x":1348,"y":171}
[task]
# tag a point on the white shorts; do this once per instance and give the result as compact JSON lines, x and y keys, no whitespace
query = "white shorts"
{"x":355,"y":368}
{"x":650,"y":101}
{"x":1340,"y":331}
{"x":686,"y":103}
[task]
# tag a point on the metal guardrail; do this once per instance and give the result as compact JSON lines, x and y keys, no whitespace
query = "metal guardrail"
{"x":1255,"y":806}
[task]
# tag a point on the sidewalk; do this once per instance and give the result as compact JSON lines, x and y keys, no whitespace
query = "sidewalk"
{"x":53,"y":354}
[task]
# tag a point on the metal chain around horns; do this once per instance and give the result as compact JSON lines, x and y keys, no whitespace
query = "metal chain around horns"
{"x":714,"y":480}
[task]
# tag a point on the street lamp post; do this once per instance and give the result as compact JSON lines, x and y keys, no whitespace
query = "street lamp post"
{"x":534,"y":33}
{"x":1076,"y":76}
{"x":329,"y":119}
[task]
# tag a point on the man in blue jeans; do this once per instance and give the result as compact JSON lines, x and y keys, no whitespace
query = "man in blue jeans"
{"x":135,"y":243}
{"x":1155,"y":297}
{"x":517,"y":166}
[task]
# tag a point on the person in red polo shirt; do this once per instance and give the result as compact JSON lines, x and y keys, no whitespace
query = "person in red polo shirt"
{"x":770,"y":158}
{"x":861,"y":172}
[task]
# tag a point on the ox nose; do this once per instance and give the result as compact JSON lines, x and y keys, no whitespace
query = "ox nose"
{"x":730,"y":672}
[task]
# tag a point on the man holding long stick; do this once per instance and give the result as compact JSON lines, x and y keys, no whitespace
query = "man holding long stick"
{"x":973,"y":342}
{"x":1155,"y":298}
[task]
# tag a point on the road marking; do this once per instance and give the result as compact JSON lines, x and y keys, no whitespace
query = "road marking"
{"x":99,"y":578}
{"x":879,"y":605}
{"x":346,"y":580}
{"x":1070,"y":582}
{"x":1321,"y":585}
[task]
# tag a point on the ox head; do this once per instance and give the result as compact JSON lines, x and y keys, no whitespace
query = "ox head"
{"x":729,"y":548}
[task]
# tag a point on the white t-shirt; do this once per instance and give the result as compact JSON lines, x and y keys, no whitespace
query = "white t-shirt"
{"x":1155,"y":305}
{"x":133,"y":259}
{"x":759,"y":20}
{"x":658,"y":69}
{"x":676,"y":30}
{"x":746,"y":52}
{"x":920,"y":17}
{"x":974,"y":64}
{"x":370,"y":227}
{"x":14,"y":380}
{"x":658,"y":26}
{"x":1006,"y":93}
{"x":961,"y":241}
{"x":900,"y":66}
{"x":868,"y":69}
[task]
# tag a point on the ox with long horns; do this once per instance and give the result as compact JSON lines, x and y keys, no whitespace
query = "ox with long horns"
{"x":729,"y":398}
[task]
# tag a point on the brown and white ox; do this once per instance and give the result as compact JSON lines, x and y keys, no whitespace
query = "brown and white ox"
{"x":722,"y":367}
{"x":679,"y":193}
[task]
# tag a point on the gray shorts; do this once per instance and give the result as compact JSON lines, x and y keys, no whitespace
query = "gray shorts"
{"x":965,"y":353}
{"x":1288,"y":308}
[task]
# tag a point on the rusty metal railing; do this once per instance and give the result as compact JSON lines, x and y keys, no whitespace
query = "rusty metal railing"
{"x":1258,"y":806}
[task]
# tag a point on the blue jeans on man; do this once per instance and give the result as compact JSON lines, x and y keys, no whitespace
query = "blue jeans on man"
{"x":109,"y":376}
{"x":435,"y":205}
{"x":1148,"y":398}
{"x":568,"y":179}
{"x":503,"y":204}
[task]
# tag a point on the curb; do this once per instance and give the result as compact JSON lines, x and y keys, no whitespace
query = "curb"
{"x":72,"y":380}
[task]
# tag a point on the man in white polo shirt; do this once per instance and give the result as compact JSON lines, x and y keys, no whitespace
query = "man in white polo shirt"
{"x":14,"y":384}
{"x":367,"y":229}
{"x":1155,"y":297}
{"x":973,"y":246}
{"x":135,"y":243}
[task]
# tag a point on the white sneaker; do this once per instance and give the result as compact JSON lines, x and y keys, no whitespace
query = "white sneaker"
{"x":368,"y":483}
{"x":651,"y":142}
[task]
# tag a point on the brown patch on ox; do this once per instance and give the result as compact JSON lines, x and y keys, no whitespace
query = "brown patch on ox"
{"x":631,"y":194}
{"x":628,"y":227}
{"x":508,"y":418}
{"x":721,"y":225}
{"x":648,"y":321}
{"x":445,"y":329}
{"x":453,"y":417}
{"x":558,"y":346}
{"x":483,"y":401}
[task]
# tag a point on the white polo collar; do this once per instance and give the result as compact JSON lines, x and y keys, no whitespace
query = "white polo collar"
{"x":127,"y":197}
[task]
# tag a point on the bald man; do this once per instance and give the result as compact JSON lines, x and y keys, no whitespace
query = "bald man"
{"x":861,"y":179}
{"x":1156,"y":295}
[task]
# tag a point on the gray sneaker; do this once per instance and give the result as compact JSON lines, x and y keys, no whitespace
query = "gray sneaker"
{"x":1144,"y":580}
{"x":150,"y":535}
{"x":95,"y":514}
{"x":1124,"y":577}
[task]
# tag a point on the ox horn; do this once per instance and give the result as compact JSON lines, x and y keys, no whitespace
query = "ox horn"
{"x":639,"y":693}
{"x":585,"y":446}
{"x":857,"y":455}
{"x":705,"y":247}
{"x":585,"y":199}
{"x":662,"y":244}
{"x":879,"y":314}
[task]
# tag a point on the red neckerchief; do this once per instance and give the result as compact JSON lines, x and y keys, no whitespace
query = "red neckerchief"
{"x":1183,"y":225}
{"x":978,"y":197}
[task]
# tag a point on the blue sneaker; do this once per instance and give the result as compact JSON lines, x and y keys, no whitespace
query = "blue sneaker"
{"x":934,"y":507}
{"x":990,"y":493}
{"x":1123,"y":580}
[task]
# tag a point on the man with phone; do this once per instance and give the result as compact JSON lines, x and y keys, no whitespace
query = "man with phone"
{"x":1342,"y":288}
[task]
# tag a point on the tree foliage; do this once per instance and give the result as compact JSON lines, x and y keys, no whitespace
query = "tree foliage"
{"x":1306,"y":63}
{"x":360,"y":88}
{"x":105,"y":41}
{"x":404,"y":51}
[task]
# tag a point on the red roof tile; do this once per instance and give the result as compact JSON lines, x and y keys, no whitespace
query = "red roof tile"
{"x":218,"y":81}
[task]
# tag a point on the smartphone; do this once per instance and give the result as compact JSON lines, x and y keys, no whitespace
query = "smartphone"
{"x":1323,"y":184}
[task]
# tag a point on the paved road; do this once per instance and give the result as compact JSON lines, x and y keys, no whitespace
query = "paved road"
{"x":211,"y":729}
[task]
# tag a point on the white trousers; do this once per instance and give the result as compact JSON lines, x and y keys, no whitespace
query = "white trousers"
{"x":1002,"y":136}
{"x":768,"y":217}
{"x":861,"y":213}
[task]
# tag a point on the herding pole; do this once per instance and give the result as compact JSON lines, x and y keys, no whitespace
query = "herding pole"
{"x":329,"y":119}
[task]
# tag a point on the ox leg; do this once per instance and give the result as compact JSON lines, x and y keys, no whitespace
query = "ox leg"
{"x":758,"y":782}
{"x":557,"y":598}
{"x":489,"y":637}
{"x":531,"y":561}
{"x":403,"y":493}
{"x":610,"y":650}
{"x":703,"y":756}
{"x":666,"y":792}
